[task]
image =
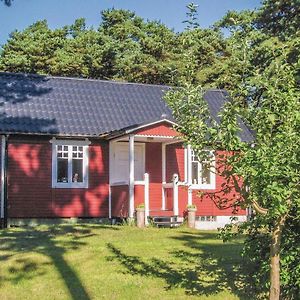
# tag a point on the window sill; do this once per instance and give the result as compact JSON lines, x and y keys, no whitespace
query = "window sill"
{"x":138,"y":182}
{"x":202,"y":187}
{"x":70,"y":186}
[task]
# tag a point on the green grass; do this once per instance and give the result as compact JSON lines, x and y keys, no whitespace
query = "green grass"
{"x":118,"y":262}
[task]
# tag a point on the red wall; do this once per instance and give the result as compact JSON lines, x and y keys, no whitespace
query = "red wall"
{"x":205,"y":206}
{"x":120,"y":201}
{"x":30,"y":194}
{"x":174,"y":161}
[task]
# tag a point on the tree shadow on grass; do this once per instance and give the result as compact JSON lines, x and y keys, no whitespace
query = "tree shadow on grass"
{"x":52,"y":242}
{"x":204,"y":267}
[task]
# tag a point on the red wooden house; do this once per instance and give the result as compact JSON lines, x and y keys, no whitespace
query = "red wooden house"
{"x":79,"y":148}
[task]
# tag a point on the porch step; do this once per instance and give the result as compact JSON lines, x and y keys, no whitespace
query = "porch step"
{"x":166,"y":221}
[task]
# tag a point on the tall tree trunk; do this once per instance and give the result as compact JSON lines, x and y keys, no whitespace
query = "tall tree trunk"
{"x":275,"y":259}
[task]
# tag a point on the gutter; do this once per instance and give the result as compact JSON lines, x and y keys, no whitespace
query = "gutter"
{"x":3,"y":218}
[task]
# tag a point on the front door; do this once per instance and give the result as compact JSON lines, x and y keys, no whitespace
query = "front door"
{"x":120,"y":168}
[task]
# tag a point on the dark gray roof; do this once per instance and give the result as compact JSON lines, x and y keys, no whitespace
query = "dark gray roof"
{"x":37,"y":104}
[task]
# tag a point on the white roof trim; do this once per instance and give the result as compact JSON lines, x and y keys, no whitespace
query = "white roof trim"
{"x":70,"y":142}
{"x":150,"y":124}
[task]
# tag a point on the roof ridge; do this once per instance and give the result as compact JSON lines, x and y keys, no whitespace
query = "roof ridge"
{"x":99,"y":80}
{"x":83,"y":79}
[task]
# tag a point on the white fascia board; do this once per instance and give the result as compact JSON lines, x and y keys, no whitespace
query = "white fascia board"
{"x":85,"y":142}
{"x":150,"y":124}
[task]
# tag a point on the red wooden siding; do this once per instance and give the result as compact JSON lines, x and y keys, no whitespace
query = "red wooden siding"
{"x":29,"y":183}
{"x":162,"y":129}
{"x":120,"y":201}
{"x":174,"y":161}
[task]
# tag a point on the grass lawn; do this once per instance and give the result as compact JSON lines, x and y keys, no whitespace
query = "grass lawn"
{"x":118,"y":262}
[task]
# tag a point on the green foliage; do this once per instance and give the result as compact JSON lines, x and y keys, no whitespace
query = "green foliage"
{"x":124,"y":47}
{"x":261,"y":71}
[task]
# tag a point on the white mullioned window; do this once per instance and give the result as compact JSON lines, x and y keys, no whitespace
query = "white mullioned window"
{"x":203,"y":171}
{"x":69,"y":164}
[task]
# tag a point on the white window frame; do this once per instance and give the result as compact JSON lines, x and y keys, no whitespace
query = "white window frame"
{"x":202,"y":186}
{"x":70,"y":143}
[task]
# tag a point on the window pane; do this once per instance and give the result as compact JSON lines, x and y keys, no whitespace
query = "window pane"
{"x":195,"y":172}
{"x":62,"y":170}
{"x":205,"y":173}
{"x":77,"y":170}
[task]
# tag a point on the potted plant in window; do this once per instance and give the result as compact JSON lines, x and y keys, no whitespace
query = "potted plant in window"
{"x":140,"y":215}
{"x":191,"y":208}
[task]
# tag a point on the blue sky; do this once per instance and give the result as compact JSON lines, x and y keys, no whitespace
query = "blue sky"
{"x":23,"y":13}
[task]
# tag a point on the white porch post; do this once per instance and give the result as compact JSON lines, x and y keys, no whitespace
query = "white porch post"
{"x":189,"y":174}
{"x":189,"y":165}
{"x":190,"y":196}
{"x":163,"y":175}
{"x":175,"y":195}
{"x":131,"y":176}
{"x":146,"y":196}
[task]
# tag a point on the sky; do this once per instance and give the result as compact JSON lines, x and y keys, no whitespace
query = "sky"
{"x":58,"y":13}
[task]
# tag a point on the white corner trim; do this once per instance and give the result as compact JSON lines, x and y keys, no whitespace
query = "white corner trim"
{"x":131,"y":176}
{"x":185,"y":165}
{"x":109,"y":202}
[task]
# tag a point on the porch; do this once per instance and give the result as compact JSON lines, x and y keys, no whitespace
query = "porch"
{"x":148,"y":169}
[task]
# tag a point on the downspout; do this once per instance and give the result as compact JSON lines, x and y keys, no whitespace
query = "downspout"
{"x":3,"y":214}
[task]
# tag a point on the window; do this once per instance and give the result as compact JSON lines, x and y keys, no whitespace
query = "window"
{"x":69,"y":164}
{"x":203,"y":172}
